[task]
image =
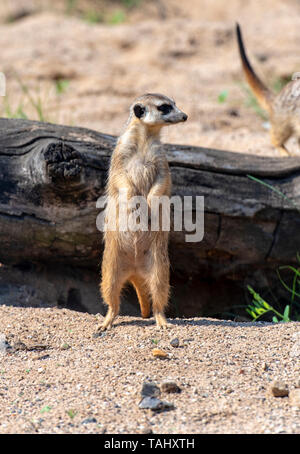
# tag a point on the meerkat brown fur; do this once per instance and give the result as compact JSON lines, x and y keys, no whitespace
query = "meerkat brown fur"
{"x":283,"y":108}
{"x":139,"y":166}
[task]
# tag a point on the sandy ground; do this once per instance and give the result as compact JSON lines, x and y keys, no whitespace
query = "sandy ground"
{"x":55,"y":377}
{"x":187,"y":52}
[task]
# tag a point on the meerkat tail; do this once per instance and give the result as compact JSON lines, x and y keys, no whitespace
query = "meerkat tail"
{"x":263,"y":94}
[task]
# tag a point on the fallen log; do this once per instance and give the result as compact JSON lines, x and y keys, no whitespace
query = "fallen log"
{"x":51,"y":177}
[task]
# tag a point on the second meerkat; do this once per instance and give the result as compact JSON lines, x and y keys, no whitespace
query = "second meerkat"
{"x":139,"y":167}
{"x":283,"y":108}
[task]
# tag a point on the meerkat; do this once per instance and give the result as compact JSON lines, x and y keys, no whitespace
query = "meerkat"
{"x":283,"y":108}
{"x":139,"y":166}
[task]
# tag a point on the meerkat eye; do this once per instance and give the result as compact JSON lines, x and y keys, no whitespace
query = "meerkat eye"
{"x":165,"y":108}
{"x":139,"y":110}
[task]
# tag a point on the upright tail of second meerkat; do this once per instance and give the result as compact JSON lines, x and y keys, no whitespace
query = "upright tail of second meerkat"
{"x":263,"y":94}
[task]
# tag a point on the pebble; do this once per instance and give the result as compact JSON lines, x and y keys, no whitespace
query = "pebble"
{"x":294,"y":397}
{"x":4,"y":345}
{"x":279,"y":389}
{"x":170,"y":387}
{"x":175,"y":342}
{"x":89,"y":421}
{"x":155,"y":404}
{"x":157,"y":353}
{"x":99,"y":334}
{"x":150,"y":389}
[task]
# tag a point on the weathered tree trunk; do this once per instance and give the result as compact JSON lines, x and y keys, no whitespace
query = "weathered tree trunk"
{"x":51,"y":177}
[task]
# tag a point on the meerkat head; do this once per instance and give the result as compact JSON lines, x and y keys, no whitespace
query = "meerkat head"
{"x":154,"y":109}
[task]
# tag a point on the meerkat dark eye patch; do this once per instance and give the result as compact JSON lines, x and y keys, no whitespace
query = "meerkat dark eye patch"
{"x":139,"y":110}
{"x":165,"y":108}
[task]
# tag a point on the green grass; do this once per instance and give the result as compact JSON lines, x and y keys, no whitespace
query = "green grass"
{"x":61,"y":86}
{"x":130,"y":3}
{"x":250,"y":100}
{"x":71,"y":413}
{"x":223,"y":96}
{"x":94,"y":13}
{"x":279,"y":82}
{"x":93,"y":17}
{"x":117,"y":17}
{"x":46,"y":409}
{"x":277,"y":191}
{"x":18,"y":113}
{"x":33,"y":101}
{"x":36,"y":103}
{"x":259,"y":307}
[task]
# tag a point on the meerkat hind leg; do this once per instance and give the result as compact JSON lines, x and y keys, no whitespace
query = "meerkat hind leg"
{"x":108,"y":320}
{"x":112,"y":283}
{"x":159,"y":287}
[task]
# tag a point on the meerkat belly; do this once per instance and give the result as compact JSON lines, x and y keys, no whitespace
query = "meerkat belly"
{"x":142,"y":173}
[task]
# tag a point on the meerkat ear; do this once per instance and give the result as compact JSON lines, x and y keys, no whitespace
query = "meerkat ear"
{"x":139,"y":110}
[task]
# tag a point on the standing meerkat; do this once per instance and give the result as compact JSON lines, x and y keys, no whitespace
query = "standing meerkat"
{"x":139,"y":166}
{"x":283,"y":108}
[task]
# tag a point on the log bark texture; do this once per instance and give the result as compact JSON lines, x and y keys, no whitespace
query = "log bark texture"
{"x":51,"y":177}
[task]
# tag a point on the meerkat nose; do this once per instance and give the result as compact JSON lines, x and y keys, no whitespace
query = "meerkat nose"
{"x":184,"y":117}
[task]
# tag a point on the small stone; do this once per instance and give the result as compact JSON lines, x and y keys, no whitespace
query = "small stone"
{"x":4,"y":345}
{"x":154,"y":404}
{"x":39,"y":357}
{"x":99,"y":334}
{"x":157,"y":353}
{"x":170,"y":387}
{"x":89,"y":421}
{"x":147,"y":430}
{"x":19,"y":346}
{"x":150,"y":389}
{"x":294,"y":397}
{"x":175,"y":342}
{"x":279,"y":389}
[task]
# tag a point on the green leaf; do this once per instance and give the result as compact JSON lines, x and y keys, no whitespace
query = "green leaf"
{"x":260,"y":311}
{"x":286,"y":313}
{"x":275,"y":319}
{"x":267,"y":306}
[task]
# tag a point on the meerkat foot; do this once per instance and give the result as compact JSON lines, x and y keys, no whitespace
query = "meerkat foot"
{"x":161,"y":321}
{"x":104,"y":327}
{"x":107,"y":322}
